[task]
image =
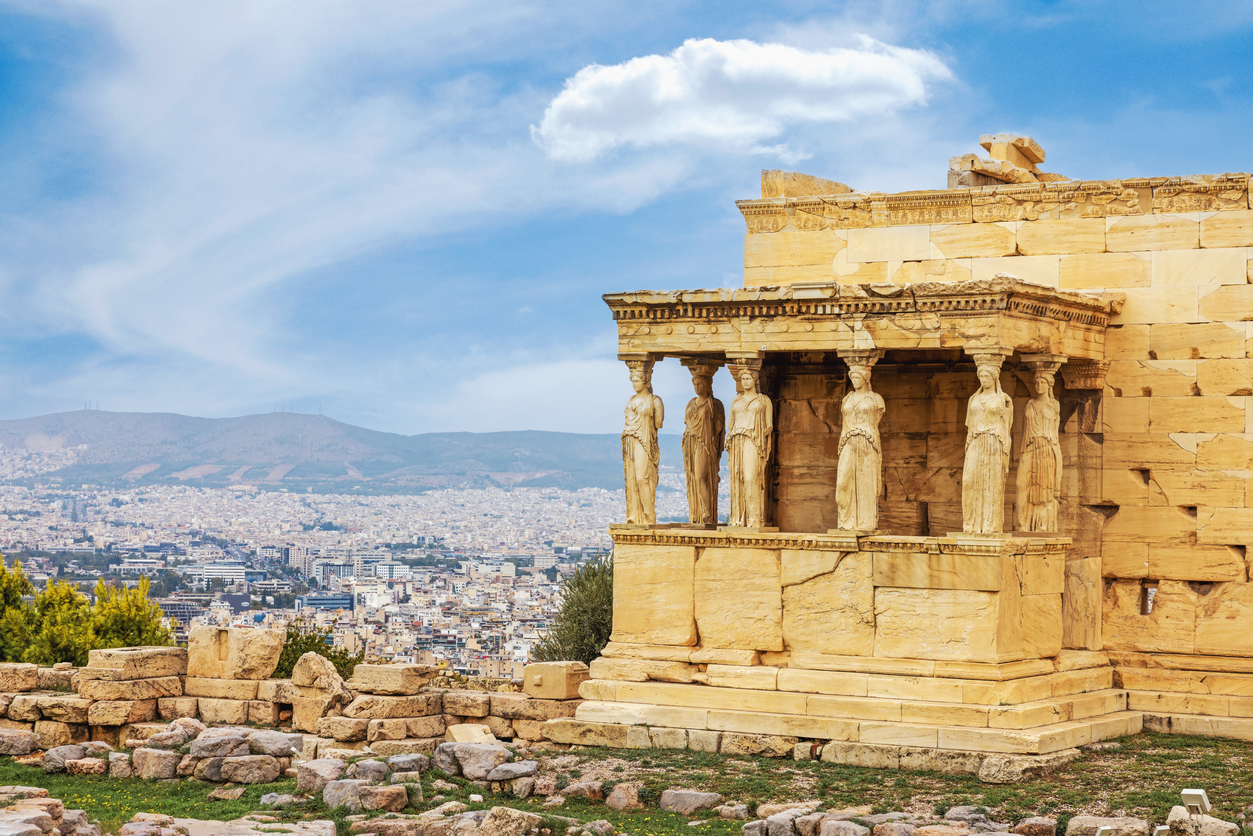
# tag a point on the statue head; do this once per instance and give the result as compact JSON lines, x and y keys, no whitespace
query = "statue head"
{"x":1044,"y":382}
{"x":747,"y":377}
{"x":989,"y":373}
{"x":703,"y":384}
{"x":641,"y":376}
{"x":859,"y":376}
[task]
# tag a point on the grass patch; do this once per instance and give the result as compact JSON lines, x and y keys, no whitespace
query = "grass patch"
{"x":1141,"y":779}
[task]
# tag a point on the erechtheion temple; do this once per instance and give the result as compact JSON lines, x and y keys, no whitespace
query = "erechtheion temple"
{"x":988,"y":460}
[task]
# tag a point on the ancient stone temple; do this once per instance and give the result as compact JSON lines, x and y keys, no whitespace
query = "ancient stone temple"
{"x":988,"y":457}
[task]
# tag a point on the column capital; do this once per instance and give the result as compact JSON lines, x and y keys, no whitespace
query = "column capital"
{"x":1044,"y":362}
{"x":701,"y":365}
{"x":1085,"y":375}
{"x":638,"y":358}
{"x":988,"y":353}
{"x":860,"y":356}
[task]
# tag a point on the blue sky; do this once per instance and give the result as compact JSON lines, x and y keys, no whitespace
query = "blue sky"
{"x":405,"y":213}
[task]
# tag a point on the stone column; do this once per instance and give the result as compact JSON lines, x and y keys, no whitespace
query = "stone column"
{"x":640,"y":454}
{"x":989,"y":418}
{"x":859,"y":470}
{"x":1040,"y":465}
{"x":750,"y":441}
{"x":704,"y":435}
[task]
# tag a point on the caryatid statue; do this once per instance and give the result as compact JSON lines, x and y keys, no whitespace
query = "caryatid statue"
{"x":989,"y":418}
{"x":750,"y":435}
{"x":644,"y":415}
{"x":859,"y":471}
{"x":703,"y":436}
{"x":1040,"y":467}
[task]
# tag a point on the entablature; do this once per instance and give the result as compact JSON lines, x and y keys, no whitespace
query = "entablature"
{"x":1004,"y":311}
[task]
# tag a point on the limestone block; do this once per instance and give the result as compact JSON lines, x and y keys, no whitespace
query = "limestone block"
{"x":975,"y":240}
{"x":121,"y":712}
{"x":1041,"y":574}
{"x":343,"y":728}
{"x":554,"y":680}
{"x":263,"y":713}
{"x":1037,"y":269}
{"x":1041,"y":625}
{"x":738,"y":598}
{"x":1225,"y":377}
{"x":1193,"y":268}
{"x":1228,"y":229}
{"x":17,"y":676}
{"x":122,"y":663}
{"x":1126,"y":560}
{"x":920,"y":570}
{"x":1169,"y":628}
{"x":1222,"y":526}
{"x":233,"y":653}
{"x":466,"y":733}
{"x":1224,"y":621}
{"x":1152,"y":305}
{"x":1202,"y":487}
{"x":893,"y":243}
{"x":64,"y":709}
{"x":172,"y":708}
{"x":1135,"y":451}
{"x":1062,"y":237}
{"x":377,"y":707}
{"x":1104,"y":270}
{"x":523,"y":707}
{"x":467,"y":703}
{"x":610,"y":712}
{"x":54,"y":733}
{"x":793,"y":248}
{"x":1133,"y":233}
{"x":277,"y":690}
{"x":759,"y":677}
{"x":568,"y":730}
{"x":1133,"y":524}
{"x":396,"y":679}
{"x":653,"y":595}
{"x":1224,"y":452}
{"x":655,"y":652}
{"x":1154,"y":378}
{"x":223,"y":712}
{"x":1226,"y":303}
{"x":1211,"y":414}
{"x":831,"y":613}
{"x":135,"y":689}
{"x":723,"y":656}
{"x":1196,"y":563}
{"x":1133,"y":342}
{"x":641,"y":670}
{"x":963,"y":624}
{"x":220,"y":689}
{"x":765,"y":745}
{"x":844,"y":683}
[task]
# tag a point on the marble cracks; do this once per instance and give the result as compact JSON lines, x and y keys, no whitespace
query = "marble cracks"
{"x":703,"y":436}
{"x":644,"y":415}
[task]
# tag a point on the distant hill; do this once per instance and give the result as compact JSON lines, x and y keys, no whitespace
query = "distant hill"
{"x":294,"y":449}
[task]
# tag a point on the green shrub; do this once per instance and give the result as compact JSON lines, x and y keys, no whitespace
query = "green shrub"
{"x":302,"y":639}
{"x":582,"y":627}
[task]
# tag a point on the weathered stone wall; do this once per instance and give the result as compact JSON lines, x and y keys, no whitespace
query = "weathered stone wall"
{"x":1157,"y":462}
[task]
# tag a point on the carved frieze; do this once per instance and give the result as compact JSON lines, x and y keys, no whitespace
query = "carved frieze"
{"x":1202,"y":194}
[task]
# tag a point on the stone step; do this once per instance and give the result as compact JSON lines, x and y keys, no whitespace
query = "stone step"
{"x":1040,"y":740}
{"x":754,"y":688}
{"x":1182,"y":662}
{"x":1239,"y":728}
{"x":1209,"y":705}
{"x":1186,"y":681}
{"x":840,"y":709}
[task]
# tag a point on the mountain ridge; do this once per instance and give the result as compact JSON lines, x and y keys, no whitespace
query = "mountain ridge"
{"x":299,"y":449}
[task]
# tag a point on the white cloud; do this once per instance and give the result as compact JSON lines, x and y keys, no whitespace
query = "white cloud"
{"x":730,"y":95}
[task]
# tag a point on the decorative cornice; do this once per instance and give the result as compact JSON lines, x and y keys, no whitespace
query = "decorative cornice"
{"x":1006,"y":202}
{"x":835,"y":301}
{"x":1006,"y":544}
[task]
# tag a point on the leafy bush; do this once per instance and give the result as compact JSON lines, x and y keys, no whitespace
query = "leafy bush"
{"x":302,"y":639}
{"x":582,"y":627}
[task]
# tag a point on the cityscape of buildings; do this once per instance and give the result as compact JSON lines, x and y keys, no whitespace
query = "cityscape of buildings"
{"x":467,"y":578}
